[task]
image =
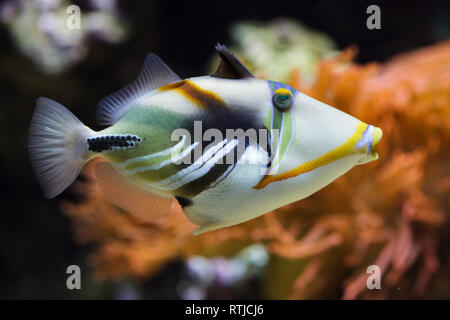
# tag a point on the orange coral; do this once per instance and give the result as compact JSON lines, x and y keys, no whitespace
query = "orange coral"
{"x":390,"y":212}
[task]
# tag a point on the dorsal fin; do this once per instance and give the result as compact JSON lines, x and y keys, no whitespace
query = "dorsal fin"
{"x":154,"y":74}
{"x":230,"y":67}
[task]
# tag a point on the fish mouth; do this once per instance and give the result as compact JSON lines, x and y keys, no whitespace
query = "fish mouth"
{"x":368,"y":143}
{"x":376,"y":137}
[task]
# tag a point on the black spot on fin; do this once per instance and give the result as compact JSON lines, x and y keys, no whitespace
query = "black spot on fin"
{"x":184,"y":202}
{"x":113,"y":142}
{"x":230,"y":67}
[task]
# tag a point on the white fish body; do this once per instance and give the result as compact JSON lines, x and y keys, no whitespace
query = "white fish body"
{"x":307,"y":144}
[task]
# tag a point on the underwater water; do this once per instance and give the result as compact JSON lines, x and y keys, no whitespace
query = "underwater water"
{"x":393,"y":212}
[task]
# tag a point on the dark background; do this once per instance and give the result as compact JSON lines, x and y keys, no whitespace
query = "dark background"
{"x":36,"y":240}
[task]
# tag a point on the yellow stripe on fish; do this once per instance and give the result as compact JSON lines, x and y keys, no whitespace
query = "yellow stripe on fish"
{"x":344,"y":150}
{"x":200,"y":97}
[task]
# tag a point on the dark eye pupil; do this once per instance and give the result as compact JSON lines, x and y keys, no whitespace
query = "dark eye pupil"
{"x":283,"y":100}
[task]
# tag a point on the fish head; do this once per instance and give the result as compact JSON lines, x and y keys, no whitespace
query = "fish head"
{"x":313,"y":139}
{"x":310,"y":144}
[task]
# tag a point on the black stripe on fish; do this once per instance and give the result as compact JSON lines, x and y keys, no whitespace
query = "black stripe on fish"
{"x":184,"y":202}
{"x":113,"y":142}
{"x":210,"y":179}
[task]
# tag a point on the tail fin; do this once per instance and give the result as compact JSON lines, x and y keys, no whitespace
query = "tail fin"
{"x":57,"y":146}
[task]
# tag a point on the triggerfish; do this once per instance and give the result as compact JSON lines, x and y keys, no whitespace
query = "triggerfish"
{"x":227,"y":146}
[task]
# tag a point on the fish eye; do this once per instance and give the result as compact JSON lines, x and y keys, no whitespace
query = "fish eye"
{"x":282,"y":98}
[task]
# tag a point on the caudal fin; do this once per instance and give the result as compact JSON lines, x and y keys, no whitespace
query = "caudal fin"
{"x":57,"y":146}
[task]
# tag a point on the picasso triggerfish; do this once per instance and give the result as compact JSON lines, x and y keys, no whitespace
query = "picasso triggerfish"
{"x":226,"y":147}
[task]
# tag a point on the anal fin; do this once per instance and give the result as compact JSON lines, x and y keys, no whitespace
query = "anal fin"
{"x":129,"y":196}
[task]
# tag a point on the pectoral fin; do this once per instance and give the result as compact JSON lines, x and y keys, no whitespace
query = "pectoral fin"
{"x":137,"y":200}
